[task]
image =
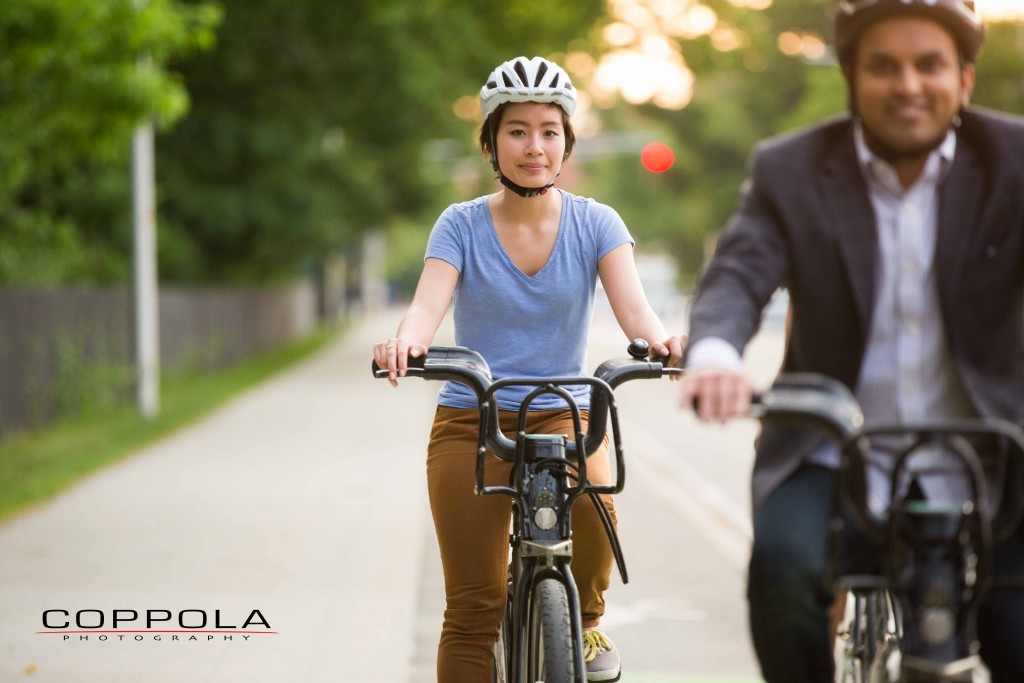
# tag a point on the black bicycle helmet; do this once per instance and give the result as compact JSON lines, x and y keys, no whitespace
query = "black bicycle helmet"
{"x":958,"y":16}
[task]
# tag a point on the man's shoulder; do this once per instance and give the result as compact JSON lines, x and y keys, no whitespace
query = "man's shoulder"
{"x":990,"y":123}
{"x":993,"y":118}
{"x":997,"y":136}
{"x":806,"y":145}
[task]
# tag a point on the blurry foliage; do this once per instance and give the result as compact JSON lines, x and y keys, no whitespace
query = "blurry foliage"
{"x":740,"y":97}
{"x":72,"y":92}
{"x":1000,"y":81}
{"x":309,"y":122}
{"x":407,"y":242}
{"x":306,"y":124}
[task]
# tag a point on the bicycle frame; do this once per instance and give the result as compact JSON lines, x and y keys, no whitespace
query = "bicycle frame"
{"x":936,"y":559}
{"x":540,"y":552}
{"x":542,"y":499}
{"x":540,"y":489}
{"x":873,"y":632}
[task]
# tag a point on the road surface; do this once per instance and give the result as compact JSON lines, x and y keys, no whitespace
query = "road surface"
{"x":286,"y":538}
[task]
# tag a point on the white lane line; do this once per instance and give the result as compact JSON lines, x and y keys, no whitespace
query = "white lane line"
{"x":703,"y":506}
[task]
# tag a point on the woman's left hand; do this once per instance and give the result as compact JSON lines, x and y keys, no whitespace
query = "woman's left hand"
{"x":671,"y":347}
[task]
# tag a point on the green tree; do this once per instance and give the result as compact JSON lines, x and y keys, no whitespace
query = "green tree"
{"x":72,"y":91}
{"x":310,"y":121}
{"x":1000,"y":65}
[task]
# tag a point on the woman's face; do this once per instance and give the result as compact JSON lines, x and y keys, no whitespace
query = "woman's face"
{"x":530,"y":142}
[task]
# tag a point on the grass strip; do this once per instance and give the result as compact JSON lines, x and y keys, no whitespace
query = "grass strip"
{"x":36,"y":465}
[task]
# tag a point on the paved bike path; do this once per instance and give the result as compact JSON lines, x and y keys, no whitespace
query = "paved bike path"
{"x":681,"y":618}
{"x":299,"y":499}
{"x":304,"y":500}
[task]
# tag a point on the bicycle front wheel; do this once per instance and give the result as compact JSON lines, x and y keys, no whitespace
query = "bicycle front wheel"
{"x":550,"y":645}
{"x":502,"y":649}
{"x":867,"y":638}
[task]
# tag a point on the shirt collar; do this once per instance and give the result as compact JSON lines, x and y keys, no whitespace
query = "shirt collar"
{"x":881,"y":171}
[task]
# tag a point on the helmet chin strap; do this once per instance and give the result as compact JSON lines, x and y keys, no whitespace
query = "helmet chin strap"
{"x":524,"y":191}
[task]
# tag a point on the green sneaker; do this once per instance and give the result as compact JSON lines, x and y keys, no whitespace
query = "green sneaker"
{"x":601,"y":657}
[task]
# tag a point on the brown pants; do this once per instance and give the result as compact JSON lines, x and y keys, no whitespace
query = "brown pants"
{"x":472,"y":534}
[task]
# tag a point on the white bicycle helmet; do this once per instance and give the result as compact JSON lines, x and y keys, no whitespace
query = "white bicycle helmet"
{"x":528,"y":80}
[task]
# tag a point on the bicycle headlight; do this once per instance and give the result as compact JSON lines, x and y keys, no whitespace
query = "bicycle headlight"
{"x":937,"y":625}
{"x":545,"y":518}
{"x":544,"y":514}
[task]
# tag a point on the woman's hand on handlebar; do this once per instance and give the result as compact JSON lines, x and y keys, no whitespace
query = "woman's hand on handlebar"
{"x":672,"y":348}
{"x":717,"y":394}
{"x":394,"y":353}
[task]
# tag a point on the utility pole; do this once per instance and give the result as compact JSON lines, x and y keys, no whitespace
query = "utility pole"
{"x":147,"y":322}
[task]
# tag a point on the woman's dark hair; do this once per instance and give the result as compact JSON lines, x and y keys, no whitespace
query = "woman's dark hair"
{"x":487,"y":132}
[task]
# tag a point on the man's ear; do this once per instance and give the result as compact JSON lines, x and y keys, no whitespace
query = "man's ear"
{"x":967,"y":77}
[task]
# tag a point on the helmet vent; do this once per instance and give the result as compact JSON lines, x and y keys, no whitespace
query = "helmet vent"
{"x":543,"y":69}
{"x":521,"y":70}
{"x":528,"y":80}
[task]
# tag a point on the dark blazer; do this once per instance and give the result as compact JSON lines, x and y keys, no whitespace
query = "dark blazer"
{"x":805,"y":221}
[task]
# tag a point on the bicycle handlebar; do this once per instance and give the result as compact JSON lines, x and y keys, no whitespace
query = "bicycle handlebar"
{"x":808,"y":397}
{"x":825,"y":402}
{"x":467,"y":367}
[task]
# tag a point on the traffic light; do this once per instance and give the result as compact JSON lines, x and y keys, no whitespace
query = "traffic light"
{"x":657,"y":157}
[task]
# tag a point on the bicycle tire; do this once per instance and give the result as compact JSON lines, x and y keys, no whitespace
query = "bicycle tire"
{"x":867,"y":639}
{"x":499,"y":665}
{"x":551,"y":646}
{"x":883,"y":626}
{"x":502,"y":650}
{"x":850,"y":646}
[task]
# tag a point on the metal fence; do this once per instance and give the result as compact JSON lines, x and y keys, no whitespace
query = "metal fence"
{"x":63,"y":351}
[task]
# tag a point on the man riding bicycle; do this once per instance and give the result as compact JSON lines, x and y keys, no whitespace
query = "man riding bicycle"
{"x":899,"y":232}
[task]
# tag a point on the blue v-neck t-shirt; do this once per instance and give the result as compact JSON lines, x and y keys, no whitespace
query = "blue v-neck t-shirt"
{"x":525,"y":325}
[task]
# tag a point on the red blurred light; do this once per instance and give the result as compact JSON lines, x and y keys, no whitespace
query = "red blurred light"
{"x":656,"y":157}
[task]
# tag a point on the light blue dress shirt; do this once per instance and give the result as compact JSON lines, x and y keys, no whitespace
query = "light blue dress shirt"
{"x":907,"y":374}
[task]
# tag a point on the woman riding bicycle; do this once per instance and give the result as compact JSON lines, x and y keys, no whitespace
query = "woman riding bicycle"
{"x":521,"y":266}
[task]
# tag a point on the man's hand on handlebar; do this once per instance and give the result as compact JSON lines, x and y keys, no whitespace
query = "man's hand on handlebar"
{"x":717,"y":394}
{"x":394,"y":353}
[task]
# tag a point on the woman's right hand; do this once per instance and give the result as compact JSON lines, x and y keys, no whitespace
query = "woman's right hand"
{"x":394,"y":353}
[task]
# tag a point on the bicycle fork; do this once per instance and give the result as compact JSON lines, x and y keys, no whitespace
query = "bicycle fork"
{"x":936,"y":567}
{"x":545,"y":544}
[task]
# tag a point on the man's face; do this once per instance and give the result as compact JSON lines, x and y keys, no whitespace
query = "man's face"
{"x":908,"y":83}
